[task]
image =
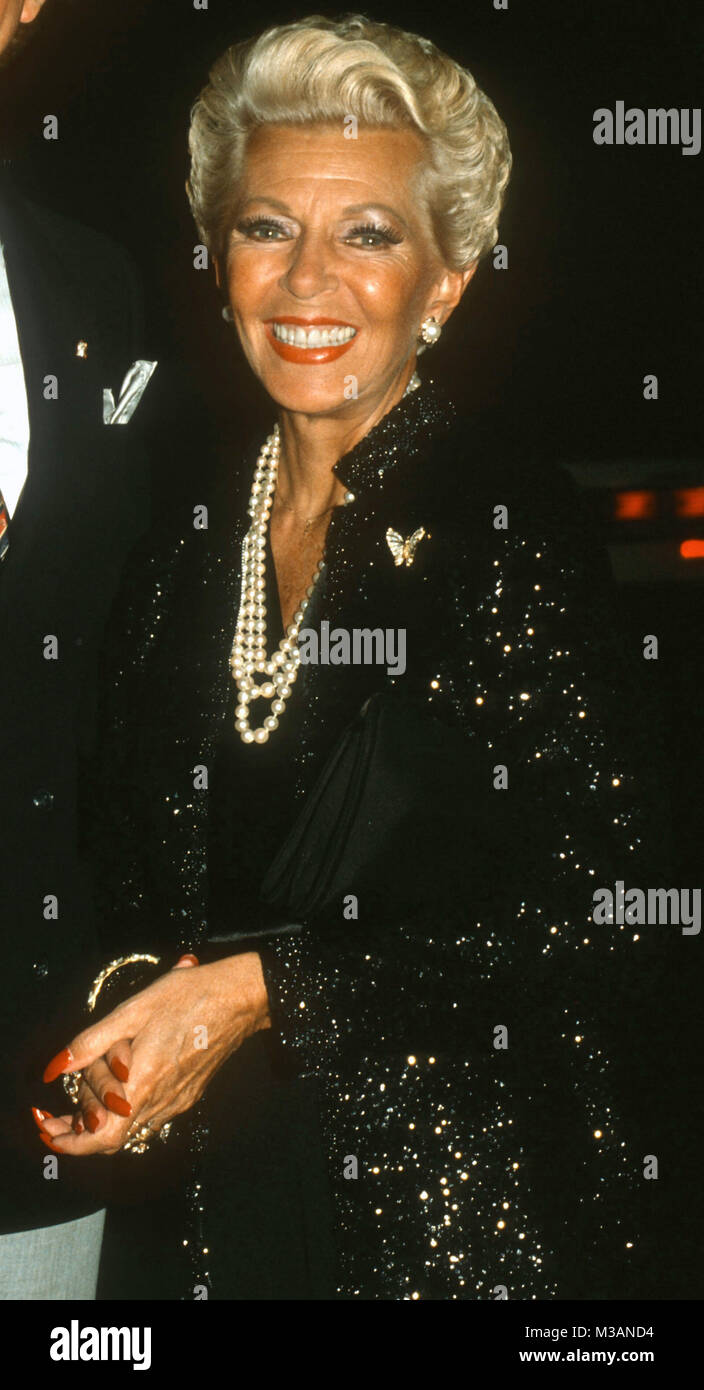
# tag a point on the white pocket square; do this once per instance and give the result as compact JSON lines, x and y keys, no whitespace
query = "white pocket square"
{"x":131,"y":392}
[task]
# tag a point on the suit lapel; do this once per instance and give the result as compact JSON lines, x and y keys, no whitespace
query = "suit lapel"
{"x":50,"y":305}
{"x":52,"y":314}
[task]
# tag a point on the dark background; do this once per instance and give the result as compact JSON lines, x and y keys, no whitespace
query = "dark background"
{"x":605,"y":277}
{"x":604,"y":285}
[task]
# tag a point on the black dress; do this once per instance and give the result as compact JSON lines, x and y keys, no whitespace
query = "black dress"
{"x":262,"y":1169}
{"x":438,"y":988}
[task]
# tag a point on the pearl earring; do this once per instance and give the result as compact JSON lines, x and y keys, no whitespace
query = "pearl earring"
{"x":227,"y":314}
{"x":430,"y":331}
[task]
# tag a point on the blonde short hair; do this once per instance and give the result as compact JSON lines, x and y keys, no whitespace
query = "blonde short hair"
{"x":318,"y":71}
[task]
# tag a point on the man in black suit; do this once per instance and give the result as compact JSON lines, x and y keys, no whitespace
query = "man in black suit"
{"x":73,"y":501}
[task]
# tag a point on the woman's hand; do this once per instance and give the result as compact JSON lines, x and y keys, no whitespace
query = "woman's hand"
{"x":170,"y":1039}
{"x":97,"y":1095}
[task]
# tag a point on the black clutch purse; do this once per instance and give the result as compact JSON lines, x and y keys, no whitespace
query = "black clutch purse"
{"x":389,"y":814}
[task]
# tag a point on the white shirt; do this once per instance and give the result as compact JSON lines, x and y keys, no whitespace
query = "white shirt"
{"x":14,"y":413}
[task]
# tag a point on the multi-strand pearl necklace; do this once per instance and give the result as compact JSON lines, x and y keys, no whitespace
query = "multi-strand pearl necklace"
{"x":249,"y":660}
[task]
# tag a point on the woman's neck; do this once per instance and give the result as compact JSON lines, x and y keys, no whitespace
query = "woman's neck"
{"x":311,"y":445}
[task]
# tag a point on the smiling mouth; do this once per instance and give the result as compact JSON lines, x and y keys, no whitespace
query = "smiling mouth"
{"x":319,"y":335}
{"x":310,"y":340}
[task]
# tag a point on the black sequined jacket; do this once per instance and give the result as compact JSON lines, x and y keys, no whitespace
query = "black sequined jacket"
{"x":455,"y":1001}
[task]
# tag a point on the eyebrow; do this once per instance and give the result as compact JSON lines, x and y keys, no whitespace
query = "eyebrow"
{"x":372,"y":207}
{"x":350,"y":211}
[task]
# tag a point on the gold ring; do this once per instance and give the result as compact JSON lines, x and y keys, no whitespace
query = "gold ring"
{"x":139,"y":1138}
{"x":72,"y":1084}
{"x":138,"y":1142}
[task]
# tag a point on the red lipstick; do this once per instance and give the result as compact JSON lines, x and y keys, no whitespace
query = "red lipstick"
{"x":313,"y":356}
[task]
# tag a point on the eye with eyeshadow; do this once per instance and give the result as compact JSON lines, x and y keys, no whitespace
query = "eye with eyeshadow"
{"x":380,"y":234}
{"x":251,"y":226}
{"x":372,"y":236}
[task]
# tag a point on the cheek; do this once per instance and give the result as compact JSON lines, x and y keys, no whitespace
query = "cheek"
{"x":390,"y":296}
{"x":248,"y":282}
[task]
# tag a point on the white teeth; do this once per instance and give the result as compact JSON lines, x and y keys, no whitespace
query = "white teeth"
{"x":316,"y":337}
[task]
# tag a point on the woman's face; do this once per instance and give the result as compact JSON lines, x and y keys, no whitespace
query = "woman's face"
{"x":332,"y":266}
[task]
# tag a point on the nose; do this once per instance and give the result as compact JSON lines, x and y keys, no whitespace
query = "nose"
{"x":311,"y":269}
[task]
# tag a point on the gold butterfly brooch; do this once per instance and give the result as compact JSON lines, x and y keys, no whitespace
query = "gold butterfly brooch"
{"x":402,"y":550}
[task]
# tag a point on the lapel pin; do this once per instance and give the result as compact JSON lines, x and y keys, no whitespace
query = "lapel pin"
{"x":402,"y":550}
{"x":81,"y":348}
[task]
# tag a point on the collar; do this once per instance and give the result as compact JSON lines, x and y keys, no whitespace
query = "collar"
{"x":403,"y":432}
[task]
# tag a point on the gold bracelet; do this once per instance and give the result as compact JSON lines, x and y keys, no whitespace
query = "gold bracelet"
{"x":72,"y":1080}
{"x":110,"y":970}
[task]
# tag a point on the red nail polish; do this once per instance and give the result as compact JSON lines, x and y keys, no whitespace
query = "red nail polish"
{"x":77,"y":1125}
{"x":116,"y":1104}
{"x":188,"y":956}
{"x":119,"y":1069}
{"x":91,"y":1120}
{"x":39,"y":1116}
{"x":58,"y":1064}
{"x":47,"y":1139}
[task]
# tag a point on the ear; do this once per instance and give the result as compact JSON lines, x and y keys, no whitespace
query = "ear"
{"x":448,"y":292}
{"x":30,"y":10}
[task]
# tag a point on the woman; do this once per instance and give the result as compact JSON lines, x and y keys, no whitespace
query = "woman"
{"x":362,"y":759}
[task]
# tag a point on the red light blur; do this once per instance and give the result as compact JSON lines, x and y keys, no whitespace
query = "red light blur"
{"x":689,"y":501}
{"x":635,"y":506}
